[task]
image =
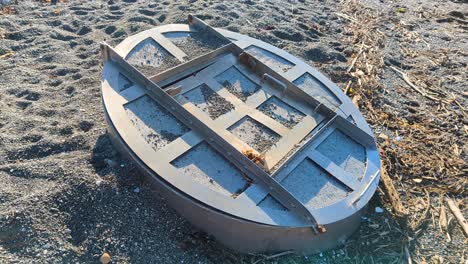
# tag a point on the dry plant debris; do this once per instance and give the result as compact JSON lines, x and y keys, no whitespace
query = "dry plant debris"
{"x":423,"y":151}
{"x":258,"y":159}
{"x":458,"y":215}
{"x":8,"y":10}
{"x":7,"y":54}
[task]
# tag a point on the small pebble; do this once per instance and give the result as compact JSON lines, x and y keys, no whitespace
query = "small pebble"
{"x":379,"y":210}
{"x":105,"y":258}
{"x":109,"y":162}
{"x":136,"y":190}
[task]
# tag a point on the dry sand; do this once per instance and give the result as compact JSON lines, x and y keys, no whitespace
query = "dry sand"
{"x":66,"y":196}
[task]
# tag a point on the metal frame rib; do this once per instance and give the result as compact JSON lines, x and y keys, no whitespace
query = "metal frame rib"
{"x":214,"y":136}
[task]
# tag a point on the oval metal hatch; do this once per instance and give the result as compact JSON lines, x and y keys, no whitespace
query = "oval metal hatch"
{"x":242,"y":128}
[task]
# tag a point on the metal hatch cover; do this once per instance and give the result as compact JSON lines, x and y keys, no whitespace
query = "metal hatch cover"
{"x":249,"y":143}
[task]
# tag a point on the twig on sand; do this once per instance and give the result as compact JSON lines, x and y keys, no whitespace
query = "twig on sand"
{"x":408,"y":255}
{"x":405,"y":78}
{"x":347,"y":87}
{"x":7,"y":54}
{"x":356,"y":58}
{"x":458,"y":215}
{"x":345,"y":16}
{"x":274,"y":256}
{"x":443,"y":223}
{"x":462,"y":21}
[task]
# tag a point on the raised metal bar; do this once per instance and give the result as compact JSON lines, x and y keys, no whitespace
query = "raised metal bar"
{"x":169,"y":47}
{"x":274,"y":82}
{"x":214,"y":138}
{"x":355,"y":132}
{"x":201,"y":25}
{"x":337,"y":172}
{"x":284,"y":146}
{"x":250,"y":61}
{"x":314,"y":134}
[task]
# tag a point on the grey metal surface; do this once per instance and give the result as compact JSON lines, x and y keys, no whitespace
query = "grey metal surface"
{"x":340,"y":186}
{"x":217,"y":139}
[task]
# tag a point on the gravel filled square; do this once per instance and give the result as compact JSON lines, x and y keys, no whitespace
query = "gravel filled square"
{"x":281,"y":112}
{"x":237,"y":83}
{"x":255,"y":134}
{"x":195,"y":44}
{"x":208,"y":167}
{"x":155,"y":124}
{"x":210,"y":102}
{"x":150,"y":58}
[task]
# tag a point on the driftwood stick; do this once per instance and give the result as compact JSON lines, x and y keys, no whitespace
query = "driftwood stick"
{"x":462,"y":21}
{"x":424,"y":215}
{"x":392,"y":193}
{"x":458,"y":215}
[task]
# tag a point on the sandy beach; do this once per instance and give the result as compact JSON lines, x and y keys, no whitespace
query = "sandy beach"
{"x":67,"y":196}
